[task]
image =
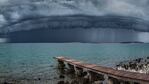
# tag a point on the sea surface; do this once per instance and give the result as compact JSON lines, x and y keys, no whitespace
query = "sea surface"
{"x":34,"y":61}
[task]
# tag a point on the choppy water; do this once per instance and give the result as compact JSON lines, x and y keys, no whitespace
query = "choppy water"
{"x":27,"y":61}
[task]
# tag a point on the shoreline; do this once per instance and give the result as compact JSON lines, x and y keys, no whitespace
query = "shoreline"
{"x":139,"y":65}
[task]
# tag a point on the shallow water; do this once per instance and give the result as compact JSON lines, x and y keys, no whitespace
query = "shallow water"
{"x":31,"y":61}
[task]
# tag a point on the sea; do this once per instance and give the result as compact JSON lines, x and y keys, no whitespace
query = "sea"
{"x":33,"y":63}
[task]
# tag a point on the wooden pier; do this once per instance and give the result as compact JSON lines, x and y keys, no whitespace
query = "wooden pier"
{"x":106,"y":74}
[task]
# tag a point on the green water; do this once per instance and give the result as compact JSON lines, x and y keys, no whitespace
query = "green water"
{"x":32,"y":60}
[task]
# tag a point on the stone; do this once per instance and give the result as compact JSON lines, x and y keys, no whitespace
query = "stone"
{"x":66,"y":82}
{"x":74,"y":82}
{"x":61,"y":82}
{"x":39,"y":78}
{"x":62,"y":76}
{"x":7,"y":83}
{"x":85,"y":81}
{"x":98,"y":82}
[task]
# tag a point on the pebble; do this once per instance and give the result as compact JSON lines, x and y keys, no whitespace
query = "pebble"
{"x":62,"y":76}
{"x":7,"y":83}
{"x":74,"y":82}
{"x":61,"y":82}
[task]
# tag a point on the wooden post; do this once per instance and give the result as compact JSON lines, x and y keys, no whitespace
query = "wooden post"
{"x":61,"y":64}
{"x":78,"y":71}
{"x":106,"y":79}
{"x":93,"y":76}
{"x":70,"y":69}
{"x":61,"y":67}
{"x":110,"y":81}
{"x":121,"y":82}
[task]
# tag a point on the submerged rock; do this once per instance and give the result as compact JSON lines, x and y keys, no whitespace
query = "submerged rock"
{"x":39,"y":78}
{"x":61,"y":82}
{"x":86,"y":81}
{"x":98,"y":82}
{"x":66,"y":82}
{"x":74,"y":82}
{"x":8,"y":83}
{"x":62,"y":76}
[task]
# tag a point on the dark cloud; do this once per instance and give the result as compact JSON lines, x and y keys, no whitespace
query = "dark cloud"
{"x":78,"y":21}
{"x":16,"y":15}
{"x":13,"y":10}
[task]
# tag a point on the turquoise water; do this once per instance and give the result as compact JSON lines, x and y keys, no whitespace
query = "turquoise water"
{"x":32,"y":60}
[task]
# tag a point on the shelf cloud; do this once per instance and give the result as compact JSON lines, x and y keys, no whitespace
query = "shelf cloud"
{"x":16,"y":15}
{"x":13,"y":10}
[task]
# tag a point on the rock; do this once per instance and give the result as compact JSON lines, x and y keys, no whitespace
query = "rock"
{"x":85,"y":81}
{"x":74,"y":82}
{"x":55,"y":78}
{"x":70,"y":71}
{"x":39,"y":78}
{"x":61,"y":82}
{"x":84,"y":74}
{"x":98,"y":82}
{"x":62,"y":76}
{"x":7,"y":83}
{"x":66,"y":82}
{"x":51,"y":66}
{"x":138,"y":65}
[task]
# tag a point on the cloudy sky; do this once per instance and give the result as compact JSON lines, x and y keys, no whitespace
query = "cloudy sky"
{"x":16,"y":9}
{"x":13,"y":11}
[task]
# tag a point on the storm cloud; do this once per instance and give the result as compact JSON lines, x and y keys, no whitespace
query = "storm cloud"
{"x":12,"y":11}
{"x":16,"y":15}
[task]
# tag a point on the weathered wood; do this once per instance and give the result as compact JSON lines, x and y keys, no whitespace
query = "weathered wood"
{"x":118,"y":74}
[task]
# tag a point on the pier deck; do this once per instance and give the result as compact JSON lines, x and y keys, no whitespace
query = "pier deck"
{"x":133,"y":77}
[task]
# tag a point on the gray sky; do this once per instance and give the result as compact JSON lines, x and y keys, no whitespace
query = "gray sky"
{"x":135,"y":8}
{"x":12,"y":11}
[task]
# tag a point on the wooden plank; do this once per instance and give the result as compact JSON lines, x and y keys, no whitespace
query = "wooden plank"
{"x":109,"y":71}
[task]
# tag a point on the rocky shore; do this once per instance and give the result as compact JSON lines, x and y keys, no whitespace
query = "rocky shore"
{"x":140,"y":65}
